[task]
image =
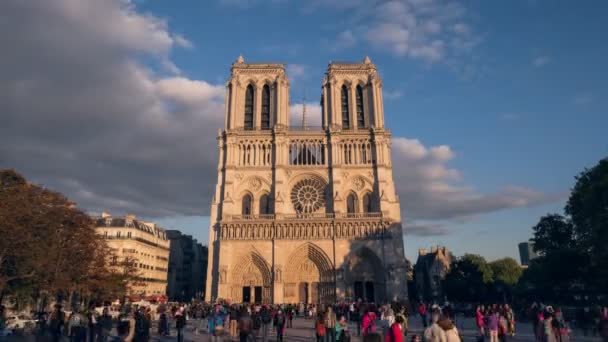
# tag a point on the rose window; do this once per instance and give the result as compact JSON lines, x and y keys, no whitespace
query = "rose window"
{"x":308,"y":196}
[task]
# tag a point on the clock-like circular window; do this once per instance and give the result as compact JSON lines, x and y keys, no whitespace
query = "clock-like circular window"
{"x":308,"y":196}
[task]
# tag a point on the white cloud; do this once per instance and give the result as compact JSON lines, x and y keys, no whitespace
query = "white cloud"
{"x":345,"y":40}
{"x":85,"y":115}
{"x":430,"y":190}
{"x":541,"y":61}
{"x":313,"y":114}
{"x":296,"y":71}
{"x":391,"y":94}
{"x":427,"y":30}
{"x":182,"y":41}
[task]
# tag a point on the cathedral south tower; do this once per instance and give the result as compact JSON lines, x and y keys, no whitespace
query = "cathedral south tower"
{"x":305,"y":214}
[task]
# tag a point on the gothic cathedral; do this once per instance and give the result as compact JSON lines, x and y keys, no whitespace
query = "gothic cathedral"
{"x":305,"y":214}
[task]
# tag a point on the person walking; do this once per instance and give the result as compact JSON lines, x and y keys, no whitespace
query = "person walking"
{"x":57,"y":323}
{"x":493,"y":322}
{"x":320,"y":328}
{"x":279,"y":324}
{"x":266,"y":322}
{"x":395,"y":332}
{"x":216,"y":324}
{"x":104,"y":325}
{"x":342,"y":334}
{"x":245,"y":325}
{"x":368,"y":323}
{"x":142,"y":327}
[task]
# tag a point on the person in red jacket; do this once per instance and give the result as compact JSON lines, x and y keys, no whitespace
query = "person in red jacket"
{"x":395,"y":333}
{"x":422,"y":312}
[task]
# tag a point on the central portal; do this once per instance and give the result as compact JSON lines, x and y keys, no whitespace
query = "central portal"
{"x":246,"y":294}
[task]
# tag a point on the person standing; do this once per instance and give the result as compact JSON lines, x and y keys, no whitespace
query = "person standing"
{"x":329,"y":320}
{"x":180,"y":323}
{"x":77,"y":324}
{"x":279,"y":324}
{"x":320,"y":328}
{"x":368,"y":323}
{"x":423,"y":313}
{"x":57,"y":323}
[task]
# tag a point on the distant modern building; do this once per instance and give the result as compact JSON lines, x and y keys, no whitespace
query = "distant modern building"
{"x":430,"y":269}
{"x":526,"y":252}
{"x":187,"y":267}
{"x":142,"y":243}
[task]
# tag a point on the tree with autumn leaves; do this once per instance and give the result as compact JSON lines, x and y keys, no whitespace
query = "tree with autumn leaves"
{"x":49,"y":249}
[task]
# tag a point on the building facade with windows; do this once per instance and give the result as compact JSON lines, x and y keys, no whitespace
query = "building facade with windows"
{"x":430,"y":270}
{"x":141,"y":243}
{"x":305,"y":214}
{"x":187,"y":267}
{"x":526,"y":252}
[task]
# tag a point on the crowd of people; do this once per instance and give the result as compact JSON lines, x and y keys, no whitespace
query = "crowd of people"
{"x":328,"y":323}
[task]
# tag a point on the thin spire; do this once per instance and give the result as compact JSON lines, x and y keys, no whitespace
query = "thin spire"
{"x":304,"y":123}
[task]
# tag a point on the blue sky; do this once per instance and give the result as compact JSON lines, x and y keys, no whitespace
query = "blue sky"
{"x":526,"y":105}
{"x":494,"y":106}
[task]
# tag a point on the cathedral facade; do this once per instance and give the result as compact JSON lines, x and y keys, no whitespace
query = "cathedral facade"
{"x":305,"y":214}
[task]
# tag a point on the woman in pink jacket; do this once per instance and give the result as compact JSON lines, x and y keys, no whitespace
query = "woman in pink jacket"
{"x":479,"y":314}
{"x":368,"y":323}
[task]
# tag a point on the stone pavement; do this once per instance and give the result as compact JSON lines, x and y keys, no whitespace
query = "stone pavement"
{"x":303,"y":331}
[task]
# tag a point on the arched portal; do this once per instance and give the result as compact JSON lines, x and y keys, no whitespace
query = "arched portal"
{"x":251,"y":279}
{"x":365,"y":276}
{"x":309,"y":277}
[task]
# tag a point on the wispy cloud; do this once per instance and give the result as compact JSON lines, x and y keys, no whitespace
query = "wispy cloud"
{"x":392,"y":94}
{"x":345,"y":40}
{"x":426,"y":30}
{"x":540,"y":61}
{"x":583,"y":99}
{"x":296,"y":71}
{"x":425,"y":229}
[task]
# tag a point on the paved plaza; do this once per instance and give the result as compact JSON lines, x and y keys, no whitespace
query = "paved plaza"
{"x":303,"y":331}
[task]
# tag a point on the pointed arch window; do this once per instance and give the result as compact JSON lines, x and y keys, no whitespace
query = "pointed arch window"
{"x":344,"y":100}
{"x":266,"y":107}
{"x":265,"y":205}
{"x":351,"y":204}
{"x":367,"y":203}
{"x":360,"y":112}
{"x":249,"y":107}
{"x":246,"y":205}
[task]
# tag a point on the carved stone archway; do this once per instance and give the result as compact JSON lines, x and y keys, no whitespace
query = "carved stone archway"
{"x":364,"y":275}
{"x":252,"y":271}
{"x":309,"y":276}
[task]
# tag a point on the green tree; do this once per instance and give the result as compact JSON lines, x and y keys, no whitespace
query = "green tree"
{"x":553,"y":233}
{"x":468,"y":278}
{"x":506,"y":271}
{"x":48,"y":246}
{"x":588,"y":209}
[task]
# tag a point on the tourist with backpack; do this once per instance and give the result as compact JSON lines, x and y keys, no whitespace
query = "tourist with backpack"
{"x":245,"y":326}
{"x":256,"y":317}
{"x":279,"y":323}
